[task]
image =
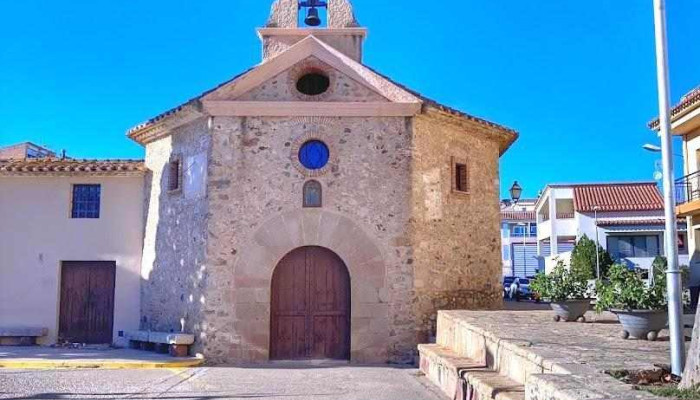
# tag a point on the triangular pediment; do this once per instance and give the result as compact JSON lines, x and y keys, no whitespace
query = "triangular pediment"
{"x":283,"y":86}
{"x":270,"y":81}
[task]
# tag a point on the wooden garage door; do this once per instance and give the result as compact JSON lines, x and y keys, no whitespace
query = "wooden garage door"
{"x":310,"y":306}
{"x":87,"y":302}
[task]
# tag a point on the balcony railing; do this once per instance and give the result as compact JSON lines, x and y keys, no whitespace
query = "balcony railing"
{"x":563,"y":215}
{"x":687,"y":188}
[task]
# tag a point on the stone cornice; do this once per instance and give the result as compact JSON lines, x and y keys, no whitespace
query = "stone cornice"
{"x":309,"y":109}
{"x":262,"y":32}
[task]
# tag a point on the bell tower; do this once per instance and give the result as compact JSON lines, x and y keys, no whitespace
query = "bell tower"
{"x":341,"y":30}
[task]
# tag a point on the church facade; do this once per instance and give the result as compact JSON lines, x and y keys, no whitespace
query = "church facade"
{"x":311,"y":208}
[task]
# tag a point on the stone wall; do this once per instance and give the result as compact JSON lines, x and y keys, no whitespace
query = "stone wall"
{"x":455,"y":235}
{"x":173,"y":269}
{"x":256,"y":217}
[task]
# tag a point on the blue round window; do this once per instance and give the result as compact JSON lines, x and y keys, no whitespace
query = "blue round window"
{"x":314,"y":154}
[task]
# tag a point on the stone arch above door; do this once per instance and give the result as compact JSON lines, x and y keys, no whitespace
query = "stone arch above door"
{"x":285,"y":232}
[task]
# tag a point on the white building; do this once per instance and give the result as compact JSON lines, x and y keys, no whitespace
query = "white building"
{"x":627,"y":219}
{"x":685,"y":123}
{"x":70,"y":256}
{"x":519,"y":238}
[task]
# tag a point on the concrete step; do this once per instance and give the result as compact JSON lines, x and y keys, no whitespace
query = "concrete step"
{"x":444,"y":367}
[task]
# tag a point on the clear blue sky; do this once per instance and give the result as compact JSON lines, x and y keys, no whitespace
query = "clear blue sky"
{"x":576,"y":78}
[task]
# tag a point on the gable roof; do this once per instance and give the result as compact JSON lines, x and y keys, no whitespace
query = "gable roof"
{"x":309,"y":46}
{"x":611,"y":197}
{"x":59,"y":166}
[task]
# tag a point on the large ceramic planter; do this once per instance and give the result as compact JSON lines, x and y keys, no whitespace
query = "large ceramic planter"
{"x":642,"y":324}
{"x":570,"y":310}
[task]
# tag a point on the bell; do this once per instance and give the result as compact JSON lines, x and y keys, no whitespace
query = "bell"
{"x":312,"y":18}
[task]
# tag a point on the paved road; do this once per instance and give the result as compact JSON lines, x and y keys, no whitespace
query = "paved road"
{"x":279,"y":383}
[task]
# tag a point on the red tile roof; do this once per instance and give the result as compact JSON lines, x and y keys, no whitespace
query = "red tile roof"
{"x":687,"y":101}
{"x":620,"y":222}
{"x":58,"y":166}
{"x":518,"y":215}
{"x":643,"y":196}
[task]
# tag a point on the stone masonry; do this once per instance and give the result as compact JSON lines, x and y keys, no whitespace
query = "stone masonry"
{"x":412,"y":243}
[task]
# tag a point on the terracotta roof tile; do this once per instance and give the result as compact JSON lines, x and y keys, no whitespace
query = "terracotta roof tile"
{"x":518,"y":215}
{"x":58,"y":166}
{"x":636,"y":222}
{"x":687,"y":101}
{"x":643,"y":196}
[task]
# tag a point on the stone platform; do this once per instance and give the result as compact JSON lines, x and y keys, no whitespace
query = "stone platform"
{"x":538,"y":358}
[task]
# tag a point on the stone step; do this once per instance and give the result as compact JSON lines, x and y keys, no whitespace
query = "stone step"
{"x":444,"y":367}
{"x":492,"y":385}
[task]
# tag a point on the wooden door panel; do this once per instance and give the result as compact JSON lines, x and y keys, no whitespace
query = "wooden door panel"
{"x":329,"y":337}
{"x":291,"y":337}
{"x":310,"y":311}
{"x":87,"y":302}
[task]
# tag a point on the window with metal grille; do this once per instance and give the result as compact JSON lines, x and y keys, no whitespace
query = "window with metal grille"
{"x":86,"y":201}
{"x":174,"y":175}
{"x":461,"y":178}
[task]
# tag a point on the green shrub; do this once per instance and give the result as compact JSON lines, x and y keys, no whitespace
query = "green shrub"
{"x":560,"y":285}
{"x":627,"y":290}
{"x":583,"y":259}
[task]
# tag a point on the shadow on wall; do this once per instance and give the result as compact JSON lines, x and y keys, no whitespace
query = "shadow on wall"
{"x":173,"y":272}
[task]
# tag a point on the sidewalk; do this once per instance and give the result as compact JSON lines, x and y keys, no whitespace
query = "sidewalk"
{"x":37,"y":357}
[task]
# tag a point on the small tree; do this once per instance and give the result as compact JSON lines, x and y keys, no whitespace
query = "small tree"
{"x":560,"y":285}
{"x":583,"y":259}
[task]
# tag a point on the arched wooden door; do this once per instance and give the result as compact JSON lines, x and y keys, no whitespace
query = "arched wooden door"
{"x":310,"y":316}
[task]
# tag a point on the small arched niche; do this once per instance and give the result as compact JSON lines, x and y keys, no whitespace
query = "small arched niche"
{"x":313,"y":194}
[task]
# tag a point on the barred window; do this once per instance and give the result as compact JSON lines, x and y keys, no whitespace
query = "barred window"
{"x":86,"y":201}
{"x":461,"y":178}
{"x":174,"y":174}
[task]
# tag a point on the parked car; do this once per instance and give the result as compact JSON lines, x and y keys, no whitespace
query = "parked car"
{"x":523,"y":292}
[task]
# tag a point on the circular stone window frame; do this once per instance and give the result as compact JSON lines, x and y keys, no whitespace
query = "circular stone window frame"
{"x":307,"y":67}
{"x":313,"y":173}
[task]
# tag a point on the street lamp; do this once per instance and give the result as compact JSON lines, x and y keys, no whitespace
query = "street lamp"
{"x":651,"y":147}
{"x":515,"y":192}
{"x":597,"y":256}
{"x":673,"y":283}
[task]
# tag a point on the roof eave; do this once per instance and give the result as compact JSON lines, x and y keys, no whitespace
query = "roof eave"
{"x":505,"y":136}
{"x":154,"y":130}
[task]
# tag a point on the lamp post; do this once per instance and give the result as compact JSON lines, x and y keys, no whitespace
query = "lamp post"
{"x":525,"y":237}
{"x":597,"y":256}
{"x":673,"y":283}
{"x":515,"y":192}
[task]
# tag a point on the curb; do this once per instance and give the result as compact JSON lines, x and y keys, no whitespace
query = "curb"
{"x":98,"y":364}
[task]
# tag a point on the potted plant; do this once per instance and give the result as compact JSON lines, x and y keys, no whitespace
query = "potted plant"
{"x":640,"y":306}
{"x":566,"y":291}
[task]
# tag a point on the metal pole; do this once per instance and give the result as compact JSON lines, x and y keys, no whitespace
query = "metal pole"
{"x":597,"y":256}
{"x":673,"y":272}
{"x":527,"y":232}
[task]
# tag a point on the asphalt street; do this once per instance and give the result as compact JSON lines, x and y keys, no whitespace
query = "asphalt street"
{"x":205,"y":383}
